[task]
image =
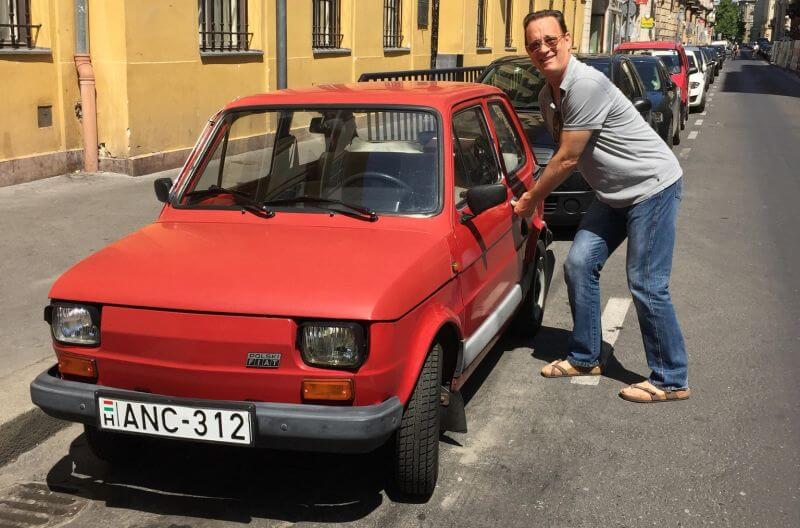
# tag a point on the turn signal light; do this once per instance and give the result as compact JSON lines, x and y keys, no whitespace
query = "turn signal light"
{"x":72,"y":366}
{"x":328,"y":390}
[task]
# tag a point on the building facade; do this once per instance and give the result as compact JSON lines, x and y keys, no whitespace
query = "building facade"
{"x":157,"y":70}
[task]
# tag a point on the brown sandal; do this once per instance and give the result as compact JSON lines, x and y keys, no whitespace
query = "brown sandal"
{"x":652,"y":395}
{"x":557,"y":371}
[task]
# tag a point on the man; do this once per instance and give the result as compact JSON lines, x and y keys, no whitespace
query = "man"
{"x":637,"y":181}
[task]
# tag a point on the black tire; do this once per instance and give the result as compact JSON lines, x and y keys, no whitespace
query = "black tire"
{"x":115,"y":448}
{"x":676,"y":138}
{"x":528,"y":320}
{"x":417,"y":440}
{"x":684,"y":117}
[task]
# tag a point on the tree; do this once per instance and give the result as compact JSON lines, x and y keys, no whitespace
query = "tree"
{"x":727,"y":20}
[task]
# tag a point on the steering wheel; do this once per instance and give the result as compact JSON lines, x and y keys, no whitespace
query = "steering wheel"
{"x":406,"y":189}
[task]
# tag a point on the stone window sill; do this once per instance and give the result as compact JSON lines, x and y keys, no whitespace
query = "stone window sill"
{"x":26,"y":51}
{"x":483,"y":50}
{"x":237,"y":53}
{"x":396,"y":51}
{"x":322,"y":52}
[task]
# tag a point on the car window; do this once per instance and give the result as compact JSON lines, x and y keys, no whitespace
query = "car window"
{"x":670,"y":58}
{"x":474,"y":159}
{"x":522,"y":83}
{"x":625,"y":82}
{"x":511,"y":148}
{"x":648,"y":71}
{"x":692,"y":62}
{"x":385,"y":160}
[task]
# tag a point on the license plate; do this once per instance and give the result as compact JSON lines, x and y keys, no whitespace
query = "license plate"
{"x":229,"y":426}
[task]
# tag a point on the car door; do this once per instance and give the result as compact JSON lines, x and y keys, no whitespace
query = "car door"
{"x":484,"y":254}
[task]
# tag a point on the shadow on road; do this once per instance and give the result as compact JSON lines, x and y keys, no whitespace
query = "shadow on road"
{"x":552,"y":344}
{"x":758,"y":80}
{"x":228,"y":483}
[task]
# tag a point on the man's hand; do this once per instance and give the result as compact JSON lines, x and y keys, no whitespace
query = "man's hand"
{"x":525,"y":206}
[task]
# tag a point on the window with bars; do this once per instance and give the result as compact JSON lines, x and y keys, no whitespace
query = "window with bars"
{"x":223,"y":25}
{"x":509,"y":23}
{"x":392,"y":23}
{"x":15,"y":28}
{"x":481,"y":24}
{"x":326,"y":31}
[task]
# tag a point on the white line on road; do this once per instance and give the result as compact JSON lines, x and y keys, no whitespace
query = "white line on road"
{"x":613,"y":317}
{"x":693,"y":134}
{"x":685,"y":153}
{"x":703,"y":113}
{"x":698,"y":122}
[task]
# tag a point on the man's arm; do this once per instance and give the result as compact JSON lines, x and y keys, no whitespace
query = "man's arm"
{"x":562,"y":164}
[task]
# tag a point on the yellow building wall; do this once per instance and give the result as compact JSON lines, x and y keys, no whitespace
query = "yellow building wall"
{"x":48,"y":79}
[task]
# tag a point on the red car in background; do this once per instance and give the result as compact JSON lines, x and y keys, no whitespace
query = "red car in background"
{"x":674,"y":57}
{"x":327,"y":271}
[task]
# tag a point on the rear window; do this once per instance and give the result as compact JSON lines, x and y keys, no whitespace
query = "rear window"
{"x":522,"y":83}
{"x":670,"y":58}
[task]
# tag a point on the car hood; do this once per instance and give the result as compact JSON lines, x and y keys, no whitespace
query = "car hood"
{"x":273,"y":269}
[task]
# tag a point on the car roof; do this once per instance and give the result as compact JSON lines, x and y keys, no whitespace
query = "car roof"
{"x":437,"y":94}
{"x":650,"y":44}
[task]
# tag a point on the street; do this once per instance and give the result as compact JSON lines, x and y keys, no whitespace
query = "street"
{"x":539,"y":452}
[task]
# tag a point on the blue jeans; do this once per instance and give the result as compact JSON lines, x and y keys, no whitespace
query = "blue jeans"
{"x":650,"y":229}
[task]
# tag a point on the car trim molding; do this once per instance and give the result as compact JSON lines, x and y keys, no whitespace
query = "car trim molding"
{"x":491,"y":327}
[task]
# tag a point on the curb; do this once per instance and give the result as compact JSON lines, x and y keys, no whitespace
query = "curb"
{"x":25,"y":432}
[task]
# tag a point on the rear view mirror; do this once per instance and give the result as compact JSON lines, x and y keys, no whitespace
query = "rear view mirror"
{"x":692,"y":70}
{"x":642,"y":105}
{"x":316,"y":125}
{"x":162,"y":187}
{"x":483,"y":197}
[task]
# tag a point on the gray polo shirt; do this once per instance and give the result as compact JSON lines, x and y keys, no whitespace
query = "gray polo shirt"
{"x":625,"y":161}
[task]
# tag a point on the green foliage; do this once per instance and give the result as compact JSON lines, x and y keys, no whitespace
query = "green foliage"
{"x":727,"y":20}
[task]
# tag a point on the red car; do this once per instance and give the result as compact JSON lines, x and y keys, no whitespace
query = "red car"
{"x":674,"y":57}
{"x":327,"y":271}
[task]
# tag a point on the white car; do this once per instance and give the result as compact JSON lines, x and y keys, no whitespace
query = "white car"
{"x":697,"y":82}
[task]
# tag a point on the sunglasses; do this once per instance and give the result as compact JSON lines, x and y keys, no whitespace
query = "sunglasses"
{"x":549,"y":41}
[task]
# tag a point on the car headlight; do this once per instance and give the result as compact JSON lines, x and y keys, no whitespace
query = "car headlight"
{"x":74,"y":324}
{"x":694,"y":85}
{"x":336,"y":345}
{"x":658,"y":117}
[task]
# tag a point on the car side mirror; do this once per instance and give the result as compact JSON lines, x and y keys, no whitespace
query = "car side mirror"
{"x":163,"y":186}
{"x":692,"y":70}
{"x":642,"y":105}
{"x":483,"y":197}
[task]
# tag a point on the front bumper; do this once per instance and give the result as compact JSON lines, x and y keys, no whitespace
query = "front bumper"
{"x":276,"y":425}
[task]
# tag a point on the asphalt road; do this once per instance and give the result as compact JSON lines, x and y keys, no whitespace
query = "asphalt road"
{"x":549,"y":452}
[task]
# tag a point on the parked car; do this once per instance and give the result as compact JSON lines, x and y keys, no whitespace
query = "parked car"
{"x":674,"y":56}
{"x":327,"y":271}
{"x":704,"y":65}
{"x":567,"y":204}
{"x":711,"y":56}
{"x":517,"y":77}
{"x":697,"y":83}
{"x":663,"y":95}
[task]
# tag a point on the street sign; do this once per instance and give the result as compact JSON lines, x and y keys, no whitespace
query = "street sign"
{"x":648,"y":23}
{"x":630,"y":8}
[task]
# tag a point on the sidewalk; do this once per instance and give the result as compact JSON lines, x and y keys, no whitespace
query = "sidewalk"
{"x":49,"y":225}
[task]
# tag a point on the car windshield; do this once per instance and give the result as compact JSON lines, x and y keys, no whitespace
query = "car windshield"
{"x":602,"y":65}
{"x":521,"y":83}
{"x":648,"y":71}
{"x":670,"y":59}
{"x":380,"y":160}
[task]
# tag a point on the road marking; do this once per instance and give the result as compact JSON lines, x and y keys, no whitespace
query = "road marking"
{"x":693,"y":134}
{"x":702,"y":114}
{"x":685,"y":153}
{"x":698,"y":122}
{"x":613,"y":317}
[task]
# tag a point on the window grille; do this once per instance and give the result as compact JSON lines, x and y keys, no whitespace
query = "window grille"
{"x":223,"y":25}
{"x":509,"y":25}
{"x":392,"y":23}
{"x":326,"y":32}
{"x":15,"y":28}
{"x":481,"y":24}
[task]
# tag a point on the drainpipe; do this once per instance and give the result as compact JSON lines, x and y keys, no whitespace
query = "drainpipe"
{"x":280,"y":36}
{"x":83,"y":63}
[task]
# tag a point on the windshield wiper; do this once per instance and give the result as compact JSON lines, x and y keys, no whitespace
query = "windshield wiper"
{"x":241,"y":199}
{"x":363,"y":213}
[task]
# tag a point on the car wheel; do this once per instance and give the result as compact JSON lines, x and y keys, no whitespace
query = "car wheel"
{"x":417,"y":440}
{"x":684,"y":117}
{"x":676,"y":137}
{"x":528,"y":320}
{"x":114,"y":448}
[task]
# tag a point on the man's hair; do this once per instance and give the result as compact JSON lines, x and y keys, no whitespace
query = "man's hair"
{"x":543,"y":13}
